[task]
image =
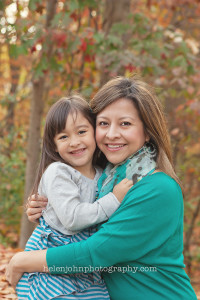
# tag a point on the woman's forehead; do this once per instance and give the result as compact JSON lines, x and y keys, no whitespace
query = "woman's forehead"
{"x":119,"y":107}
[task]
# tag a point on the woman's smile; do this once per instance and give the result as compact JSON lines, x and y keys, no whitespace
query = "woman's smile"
{"x":115,"y":147}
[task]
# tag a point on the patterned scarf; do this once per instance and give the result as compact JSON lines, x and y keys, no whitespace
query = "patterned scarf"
{"x":136,"y":167}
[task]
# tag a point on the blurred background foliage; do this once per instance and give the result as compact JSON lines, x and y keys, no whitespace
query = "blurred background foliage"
{"x":50,"y":48}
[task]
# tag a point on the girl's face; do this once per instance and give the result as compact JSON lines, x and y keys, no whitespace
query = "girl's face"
{"x":119,"y":131}
{"x":76,"y":143}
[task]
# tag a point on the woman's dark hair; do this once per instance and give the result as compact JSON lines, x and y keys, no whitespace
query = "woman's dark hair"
{"x":149,"y":109}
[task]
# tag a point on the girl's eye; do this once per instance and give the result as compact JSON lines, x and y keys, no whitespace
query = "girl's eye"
{"x":125,"y":123}
{"x":82,"y":132}
{"x":63,"y":137}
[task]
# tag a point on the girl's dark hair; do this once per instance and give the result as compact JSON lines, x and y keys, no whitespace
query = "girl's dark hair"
{"x":55,"y":123}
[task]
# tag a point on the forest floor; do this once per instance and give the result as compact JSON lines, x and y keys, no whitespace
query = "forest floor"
{"x":7,"y":292}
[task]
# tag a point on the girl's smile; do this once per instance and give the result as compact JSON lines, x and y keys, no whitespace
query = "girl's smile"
{"x":120,"y":131}
{"x":76,"y":143}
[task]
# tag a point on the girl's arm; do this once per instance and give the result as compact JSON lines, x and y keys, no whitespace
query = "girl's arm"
{"x":62,"y":186}
{"x":60,"y":183}
{"x":36,"y":203}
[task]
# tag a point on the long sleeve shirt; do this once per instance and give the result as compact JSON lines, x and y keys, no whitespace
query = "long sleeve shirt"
{"x":139,"y":247}
{"x":71,"y":199}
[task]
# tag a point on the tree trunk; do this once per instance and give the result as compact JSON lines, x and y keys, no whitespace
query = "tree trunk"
{"x":115,"y":12}
{"x":33,"y":152}
{"x":9,"y":124}
{"x":34,"y":134}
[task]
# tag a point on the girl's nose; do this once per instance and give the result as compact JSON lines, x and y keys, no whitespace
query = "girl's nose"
{"x":112,"y":132}
{"x":74,"y":141}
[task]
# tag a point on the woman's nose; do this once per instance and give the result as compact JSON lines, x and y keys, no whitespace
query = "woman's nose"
{"x":112,"y":132}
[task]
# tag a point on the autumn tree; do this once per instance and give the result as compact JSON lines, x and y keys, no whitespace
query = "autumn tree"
{"x":83,"y":44}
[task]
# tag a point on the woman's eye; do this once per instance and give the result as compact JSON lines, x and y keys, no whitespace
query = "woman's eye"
{"x":125,"y":123}
{"x":102,"y":123}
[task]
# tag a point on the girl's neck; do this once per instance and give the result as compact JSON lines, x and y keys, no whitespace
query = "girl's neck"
{"x":88,"y":172}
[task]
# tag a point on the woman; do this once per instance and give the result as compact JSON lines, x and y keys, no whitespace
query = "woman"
{"x":141,"y":244}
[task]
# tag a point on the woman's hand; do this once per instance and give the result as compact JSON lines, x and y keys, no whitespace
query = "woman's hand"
{"x":35,"y":206}
{"x":13,"y":272}
{"x":26,"y":261}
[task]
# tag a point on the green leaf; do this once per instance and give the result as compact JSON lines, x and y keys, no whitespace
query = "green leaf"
{"x":73,"y":5}
{"x":98,"y":37}
{"x":87,"y":92}
{"x":179,"y":61}
{"x":120,"y":28}
{"x":2,"y":4}
{"x":32,"y":4}
{"x":73,"y":46}
{"x":114,"y":40}
{"x":57,"y":19}
{"x":15,"y":50}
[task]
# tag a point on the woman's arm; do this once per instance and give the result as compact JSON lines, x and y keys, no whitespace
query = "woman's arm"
{"x":147,"y":218}
{"x":27,"y":261}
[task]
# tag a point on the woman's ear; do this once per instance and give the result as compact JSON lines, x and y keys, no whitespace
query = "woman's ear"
{"x":147,"y":139}
{"x":147,"y":136}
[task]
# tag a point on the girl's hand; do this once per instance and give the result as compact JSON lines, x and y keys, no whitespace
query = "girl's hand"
{"x":35,"y":206}
{"x":122,"y":188}
{"x":13,"y":272}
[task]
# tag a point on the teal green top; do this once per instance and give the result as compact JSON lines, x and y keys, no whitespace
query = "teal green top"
{"x":142,"y":240}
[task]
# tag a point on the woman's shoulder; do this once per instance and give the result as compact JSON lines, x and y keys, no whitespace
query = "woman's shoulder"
{"x":158,"y":184}
{"x":155,"y":192}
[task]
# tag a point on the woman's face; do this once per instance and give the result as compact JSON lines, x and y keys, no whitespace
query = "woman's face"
{"x":119,"y":131}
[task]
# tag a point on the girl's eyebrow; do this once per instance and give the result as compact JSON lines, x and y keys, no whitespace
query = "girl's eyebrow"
{"x":83,"y":125}
{"x":77,"y":127}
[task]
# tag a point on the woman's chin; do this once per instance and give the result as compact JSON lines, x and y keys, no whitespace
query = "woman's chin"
{"x":115,"y":159}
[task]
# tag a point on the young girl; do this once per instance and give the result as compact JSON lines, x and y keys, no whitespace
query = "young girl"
{"x":68,"y":178}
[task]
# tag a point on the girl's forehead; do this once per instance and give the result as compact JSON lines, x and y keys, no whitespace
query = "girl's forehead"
{"x":76,"y":119}
{"x":76,"y":116}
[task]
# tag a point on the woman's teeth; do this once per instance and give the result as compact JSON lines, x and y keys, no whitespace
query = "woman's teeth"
{"x":115,"y":146}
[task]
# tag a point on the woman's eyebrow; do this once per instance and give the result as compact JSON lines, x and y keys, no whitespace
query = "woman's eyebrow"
{"x":127,"y":117}
{"x":102,"y":117}
{"x":124,"y":117}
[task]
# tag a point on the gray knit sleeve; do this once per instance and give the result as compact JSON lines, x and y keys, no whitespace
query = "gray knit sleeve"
{"x":66,"y":211}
